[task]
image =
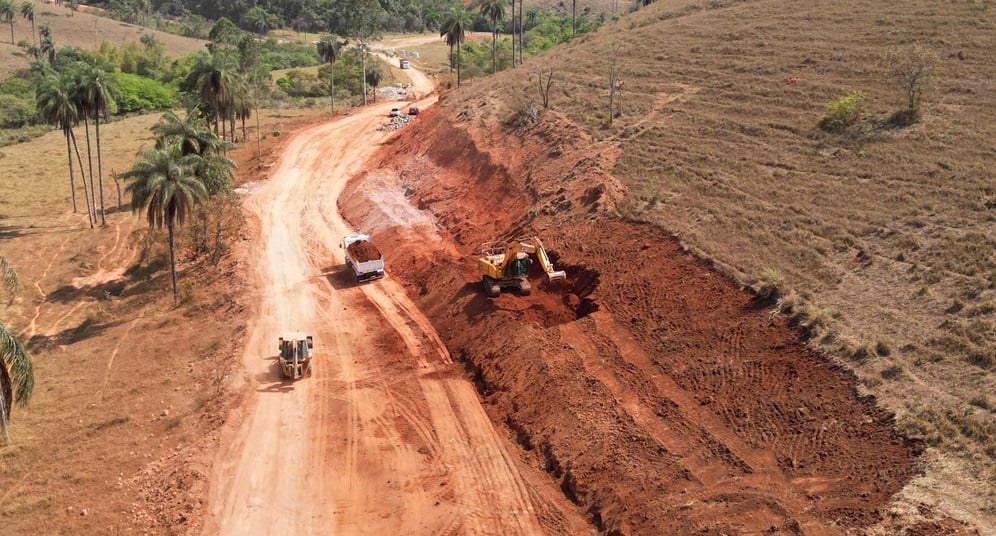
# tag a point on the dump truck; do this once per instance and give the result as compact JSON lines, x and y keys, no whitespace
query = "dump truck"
{"x":362,"y":257}
{"x":295,"y":355}
{"x":506,"y":265}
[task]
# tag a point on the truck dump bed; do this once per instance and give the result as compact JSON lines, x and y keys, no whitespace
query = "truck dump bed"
{"x":366,"y":261}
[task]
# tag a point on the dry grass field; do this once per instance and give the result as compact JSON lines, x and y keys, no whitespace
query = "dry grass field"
{"x":880,"y":239}
{"x":79,"y":29}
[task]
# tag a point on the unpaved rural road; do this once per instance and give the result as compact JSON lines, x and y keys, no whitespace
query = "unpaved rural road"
{"x":386,"y":437}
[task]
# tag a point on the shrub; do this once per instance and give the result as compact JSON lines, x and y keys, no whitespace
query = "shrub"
{"x":15,"y":111}
{"x":843,"y":112}
{"x":138,"y":93}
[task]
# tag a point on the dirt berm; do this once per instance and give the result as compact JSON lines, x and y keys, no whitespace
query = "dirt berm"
{"x":663,"y":398}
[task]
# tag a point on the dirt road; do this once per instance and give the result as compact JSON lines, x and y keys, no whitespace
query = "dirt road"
{"x":387,"y":437}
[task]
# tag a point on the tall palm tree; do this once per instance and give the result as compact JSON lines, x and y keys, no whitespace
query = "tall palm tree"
{"x":256,"y":77}
{"x":56,"y":104}
{"x":17,"y":377}
{"x":96,"y":90}
{"x":28,"y":12}
{"x":454,"y":31}
{"x":213,"y":77}
{"x":7,"y":13}
{"x":166,"y":187}
{"x":329,"y":49}
{"x":494,"y":10}
{"x":47,"y":45}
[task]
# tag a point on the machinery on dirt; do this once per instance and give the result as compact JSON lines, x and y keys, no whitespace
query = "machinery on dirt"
{"x":295,"y":355}
{"x":362,"y":257}
{"x":507,"y":265}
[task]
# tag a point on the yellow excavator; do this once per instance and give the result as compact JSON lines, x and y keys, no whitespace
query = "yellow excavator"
{"x":507,"y":265}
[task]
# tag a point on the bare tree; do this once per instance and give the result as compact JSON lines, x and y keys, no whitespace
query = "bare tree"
{"x":614,"y":83}
{"x":912,"y":69}
{"x":544,"y":87}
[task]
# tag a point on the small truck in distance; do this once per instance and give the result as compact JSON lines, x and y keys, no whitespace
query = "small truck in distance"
{"x":362,"y":257}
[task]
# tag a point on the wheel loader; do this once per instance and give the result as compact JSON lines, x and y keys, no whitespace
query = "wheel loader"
{"x":295,"y":355}
{"x":507,"y":265}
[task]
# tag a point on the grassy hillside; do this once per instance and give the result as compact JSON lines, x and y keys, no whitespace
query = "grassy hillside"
{"x":878,"y":239}
{"x":80,"y":29}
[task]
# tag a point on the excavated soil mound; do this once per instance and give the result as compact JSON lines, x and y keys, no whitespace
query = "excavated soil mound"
{"x":661,"y":397}
{"x":363,"y":251}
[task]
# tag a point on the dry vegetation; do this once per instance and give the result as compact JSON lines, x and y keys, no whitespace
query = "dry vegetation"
{"x":879,"y":240}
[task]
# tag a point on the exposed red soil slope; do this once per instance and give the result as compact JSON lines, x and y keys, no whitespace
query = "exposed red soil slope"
{"x":663,"y":398}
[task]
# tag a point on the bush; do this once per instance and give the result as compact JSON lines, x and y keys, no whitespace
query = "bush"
{"x":843,"y":112}
{"x":138,"y":93}
{"x":14,"y":111}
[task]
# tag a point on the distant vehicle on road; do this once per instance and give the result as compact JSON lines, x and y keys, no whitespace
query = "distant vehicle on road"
{"x":404,"y":64}
{"x":395,"y":112}
{"x":413,"y":110}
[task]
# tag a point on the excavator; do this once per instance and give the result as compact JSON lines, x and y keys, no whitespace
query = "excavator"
{"x":507,"y":265}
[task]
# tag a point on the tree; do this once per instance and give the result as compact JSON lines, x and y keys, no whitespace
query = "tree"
{"x":494,"y":10}
{"x":256,"y":77}
{"x":192,"y":134}
{"x":47,"y":45}
{"x":454,"y":31}
{"x":213,"y":78}
{"x":912,"y":69}
{"x":28,"y":12}
{"x":16,"y":372}
{"x":97,"y":88}
{"x":360,"y":20}
{"x":7,"y":13}
{"x":258,"y":19}
{"x":329,"y":49}
{"x":166,"y":187}
{"x":56,"y":104}
{"x":224,"y":32}
{"x":513,"y":32}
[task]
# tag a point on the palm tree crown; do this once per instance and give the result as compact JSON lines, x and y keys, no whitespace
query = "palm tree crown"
{"x":494,"y":10}
{"x":454,"y":31}
{"x":17,"y":378}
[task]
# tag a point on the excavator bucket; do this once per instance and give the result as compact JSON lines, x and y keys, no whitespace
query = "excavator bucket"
{"x":558,"y":275}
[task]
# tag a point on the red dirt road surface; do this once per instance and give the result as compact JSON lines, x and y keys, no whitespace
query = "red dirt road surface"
{"x":387,"y":437}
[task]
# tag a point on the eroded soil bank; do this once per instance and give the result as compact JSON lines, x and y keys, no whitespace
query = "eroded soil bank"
{"x":663,"y":398}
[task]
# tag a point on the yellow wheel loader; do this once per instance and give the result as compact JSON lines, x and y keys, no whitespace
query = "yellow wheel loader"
{"x":295,"y":355}
{"x":507,"y":265}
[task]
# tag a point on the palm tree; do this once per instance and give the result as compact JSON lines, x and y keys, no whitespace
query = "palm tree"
{"x":329,"y":49}
{"x":28,"y":12}
{"x":96,"y":90}
{"x":17,"y":377}
{"x":47,"y":45}
{"x":454,"y":30}
{"x":166,"y":187}
{"x":192,"y":133}
{"x":214,"y":76}
{"x":56,"y":103}
{"x":256,"y":77}
{"x":494,"y":10}
{"x":7,"y":13}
